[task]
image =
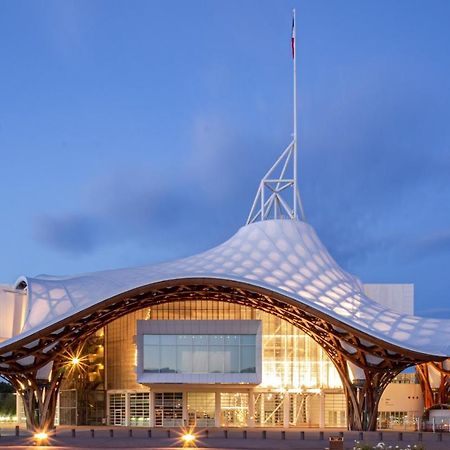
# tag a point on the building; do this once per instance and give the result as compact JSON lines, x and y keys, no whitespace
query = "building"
{"x":265,"y":329}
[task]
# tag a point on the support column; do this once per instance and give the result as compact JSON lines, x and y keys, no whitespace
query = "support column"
{"x":322,"y":410}
{"x":363,"y":394}
{"x":39,"y":396}
{"x":286,"y":408}
{"x":127,"y":408}
{"x":251,"y":408}
{"x":217,"y":411}
{"x":185,"y":409}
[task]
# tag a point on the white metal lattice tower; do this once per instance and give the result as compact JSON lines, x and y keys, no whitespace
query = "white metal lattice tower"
{"x":278,"y":196}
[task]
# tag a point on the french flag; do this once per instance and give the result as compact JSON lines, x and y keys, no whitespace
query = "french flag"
{"x":293,"y":37}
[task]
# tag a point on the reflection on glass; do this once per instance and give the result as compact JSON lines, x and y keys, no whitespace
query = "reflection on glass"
{"x":248,"y":359}
{"x":232,"y":359}
{"x":184,"y":359}
{"x":200,"y":354}
{"x":168,"y":359}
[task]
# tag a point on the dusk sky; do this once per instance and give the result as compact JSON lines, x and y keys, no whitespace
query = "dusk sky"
{"x":133,"y":132}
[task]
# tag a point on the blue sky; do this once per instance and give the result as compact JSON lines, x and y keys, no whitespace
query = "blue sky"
{"x":136,"y":132}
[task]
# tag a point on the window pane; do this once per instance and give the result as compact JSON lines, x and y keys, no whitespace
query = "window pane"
{"x":231,"y":358}
{"x":151,"y":361}
{"x":200,"y":340}
{"x":215,"y":360}
{"x":184,"y":359}
{"x":184,"y":339}
{"x":168,"y":339}
{"x":248,"y":364}
{"x":168,"y":359}
{"x":200,"y":359}
{"x":232,"y":340}
{"x":248,"y":339}
{"x":151,"y":339}
{"x":215,"y":339}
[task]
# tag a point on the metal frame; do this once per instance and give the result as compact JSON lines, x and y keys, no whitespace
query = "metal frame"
{"x":278,"y":196}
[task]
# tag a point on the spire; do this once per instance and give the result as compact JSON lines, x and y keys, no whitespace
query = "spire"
{"x":278,"y":196}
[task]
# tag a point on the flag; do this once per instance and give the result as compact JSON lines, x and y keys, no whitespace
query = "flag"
{"x":293,"y":37}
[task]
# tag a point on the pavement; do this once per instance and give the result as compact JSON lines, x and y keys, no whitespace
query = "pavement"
{"x":237,"y":439}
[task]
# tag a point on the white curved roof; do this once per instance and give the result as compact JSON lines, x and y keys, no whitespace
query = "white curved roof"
{"x":284,"y":256}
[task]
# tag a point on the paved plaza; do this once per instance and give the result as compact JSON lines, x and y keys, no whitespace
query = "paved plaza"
{"x":109,"y":437}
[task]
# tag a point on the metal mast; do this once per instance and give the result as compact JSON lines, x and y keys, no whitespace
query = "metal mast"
{"x":278,"y":196}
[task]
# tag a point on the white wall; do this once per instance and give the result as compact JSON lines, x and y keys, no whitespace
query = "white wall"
{"x":402,"y":397}
{"x":12,"y":311}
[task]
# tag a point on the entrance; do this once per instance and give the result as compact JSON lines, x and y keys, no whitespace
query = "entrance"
{"x":234,"y":409}
{"x":168,"y":409}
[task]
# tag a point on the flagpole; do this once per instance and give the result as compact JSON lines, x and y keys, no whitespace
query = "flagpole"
{"x":294,"y":51}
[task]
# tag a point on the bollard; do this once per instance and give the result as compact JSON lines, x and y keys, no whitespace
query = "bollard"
{"x":73,"y":432}
{"x":400,"y":436}
{"x":283,"y":435}
{"x":380,"y":436}
{"x":244,"y":434}
{"x":130,"y":433}
{"x":264,"y":434}
{"x":111,"y":433}
{"x":225,"y":434}
{"x":168,"y":433}
{"x":336,"y":443}
{"x":206,"y":434}
{"x":341,"y":434}
{"x":149,"y":433}
{"x":302,"y":435}
{"x":92,"y":433}
{"x":419,"y":437}
{"x":321,"y":435}
{"x":361,"y":436}
{"x":439,"y":437}
{"x":17,"y":430}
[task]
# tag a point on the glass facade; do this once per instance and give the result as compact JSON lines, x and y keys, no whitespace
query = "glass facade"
{"x":300,"y":385}
{"x":169,"y":409}
{"x":201,"y":408}
{"x":199,"y":353}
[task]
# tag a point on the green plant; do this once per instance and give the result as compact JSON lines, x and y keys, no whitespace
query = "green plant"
{"x":382,"y":446}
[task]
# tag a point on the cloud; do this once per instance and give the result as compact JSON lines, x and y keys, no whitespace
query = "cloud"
{"x":188,"y":206}
{"x":71,"y":233}
{"x":435,"y":243}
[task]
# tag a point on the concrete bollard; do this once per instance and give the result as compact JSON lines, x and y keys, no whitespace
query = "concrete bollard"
{"x":400,"y":435}
{"x":92,"y":433}
{"x":244,"y":434}
{"x":17,"y":430}
{"x":149,"y":433}
{"x":419,"y":437}
{"x":73,"y":432}
{"x":302,"y":435}
{"x":264,"y":434}
{"x":111,"y":433}
{"x":130,"y":433}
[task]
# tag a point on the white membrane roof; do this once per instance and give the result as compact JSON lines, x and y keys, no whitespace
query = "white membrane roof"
{"x":284,"y":256}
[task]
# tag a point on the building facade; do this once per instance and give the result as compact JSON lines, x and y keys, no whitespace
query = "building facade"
{"x":191,"y":363}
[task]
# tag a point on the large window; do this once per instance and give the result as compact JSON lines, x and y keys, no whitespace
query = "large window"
{"x":217,"y":353}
